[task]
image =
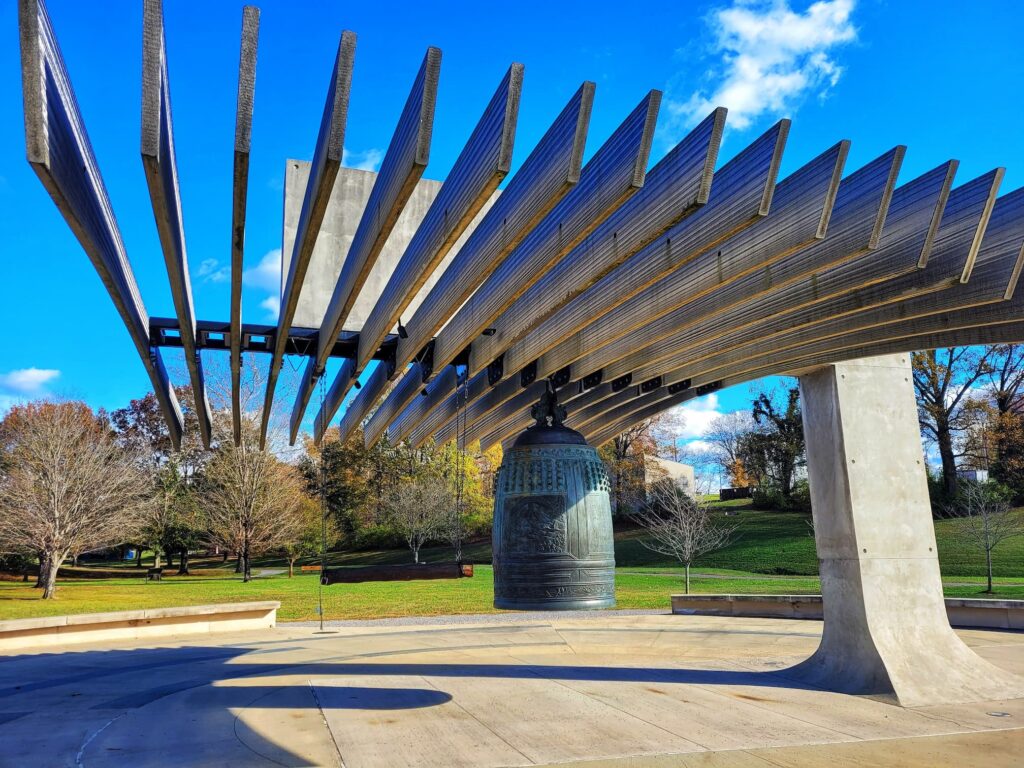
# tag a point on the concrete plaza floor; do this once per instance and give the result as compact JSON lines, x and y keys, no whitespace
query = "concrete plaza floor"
{"x":612,"y":690}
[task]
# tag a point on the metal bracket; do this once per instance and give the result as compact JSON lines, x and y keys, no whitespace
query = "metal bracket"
{"x":622,"y":382}
{"x":593,"y":379}
{"x":562,"y":377}
{"x":679,"y":386}
{"x":704,"y":389}
{"x":427,"y":361}
{"x":528,"y":375}
{"x":496,"y":370}
{"x":650,"y":385}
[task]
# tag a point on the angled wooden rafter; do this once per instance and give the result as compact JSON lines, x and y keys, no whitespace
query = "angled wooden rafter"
{"x":58,"y":149}
{"x":327,"y":156}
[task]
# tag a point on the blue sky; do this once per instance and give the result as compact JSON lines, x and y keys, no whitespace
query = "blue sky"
{"x":944,"y":78}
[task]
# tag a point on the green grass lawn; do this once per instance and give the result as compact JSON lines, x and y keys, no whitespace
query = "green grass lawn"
{"x":635,"y":588}
{"x":773,"y":553}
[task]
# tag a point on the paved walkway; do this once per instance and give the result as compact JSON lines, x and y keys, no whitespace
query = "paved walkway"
{"x":611,"y":690}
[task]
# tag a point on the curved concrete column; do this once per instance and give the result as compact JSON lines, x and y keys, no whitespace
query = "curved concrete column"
{"x":886,"y":630}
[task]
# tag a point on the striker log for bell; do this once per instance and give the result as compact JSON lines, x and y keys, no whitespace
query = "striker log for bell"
{"x":553,"y":542}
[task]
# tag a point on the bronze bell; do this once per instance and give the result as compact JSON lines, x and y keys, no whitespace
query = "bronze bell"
{"x":553,"y":542}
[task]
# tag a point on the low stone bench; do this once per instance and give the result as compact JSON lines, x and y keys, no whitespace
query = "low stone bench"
{"x":145,"y":624}
{"x":962,"y":612}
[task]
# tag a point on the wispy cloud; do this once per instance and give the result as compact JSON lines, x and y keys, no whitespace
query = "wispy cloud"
{"x":267,"y":274}
{"x":27,"y":381}
{"x":24,"y":384}
{"x":367,"y":160}
{"x":765,"y":59}
{"x":697,"y":415}
{"x":211,"y":271}
{"x":272,"y":305}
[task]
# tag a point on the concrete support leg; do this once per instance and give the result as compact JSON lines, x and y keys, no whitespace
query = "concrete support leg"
{"x":886,"y":630}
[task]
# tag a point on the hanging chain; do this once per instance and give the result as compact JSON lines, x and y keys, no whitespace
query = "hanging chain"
{"x":461,"y":427}
{"x":323,"y":505}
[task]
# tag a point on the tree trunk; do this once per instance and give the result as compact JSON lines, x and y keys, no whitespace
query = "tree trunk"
{"x":687,"y":578}
{"x":291,"y":567}
{"x":74,"y":560}
{"x":42,"y":571}
{"x":246,"y":565}
{"x":53,"y":564}
{"x":170,"y":558}
{"x":138,"y":559}
{"x":183,"y":562}
{"x":944,"y":438}
{"x":416,"y":555}
{"x":156,"y":558}
{"x":988,"y":568}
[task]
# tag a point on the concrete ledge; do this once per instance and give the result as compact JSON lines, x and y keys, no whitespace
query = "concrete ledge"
{"x":46,"y":631}
{"x":962,"y":612}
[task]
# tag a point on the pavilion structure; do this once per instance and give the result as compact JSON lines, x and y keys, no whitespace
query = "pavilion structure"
{"x":629,"y":287}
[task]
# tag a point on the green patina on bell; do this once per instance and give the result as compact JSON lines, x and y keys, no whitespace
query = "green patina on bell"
{"x":553,"y":542}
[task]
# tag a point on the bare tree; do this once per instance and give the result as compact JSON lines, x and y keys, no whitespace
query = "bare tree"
{"x":982,"y":517}
{"x":725,"y":434}
{"x":943,"y":378}
{"x":1006,"y":378}
{"x":420,"y":508}
{"x":253,"y":501}
{"x":679,"y":526}
{"x":69,"y":487}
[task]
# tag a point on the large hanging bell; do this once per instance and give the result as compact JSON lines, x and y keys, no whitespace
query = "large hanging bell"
{"x":553,"y":542}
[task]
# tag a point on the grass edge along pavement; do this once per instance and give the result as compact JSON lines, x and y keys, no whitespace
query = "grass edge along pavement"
{"x":647,"y":588}
{"x":773,"y":554}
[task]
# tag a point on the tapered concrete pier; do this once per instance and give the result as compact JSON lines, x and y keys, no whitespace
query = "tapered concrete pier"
{"x":886,"y":630}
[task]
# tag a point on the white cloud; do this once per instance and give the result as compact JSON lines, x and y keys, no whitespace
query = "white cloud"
{"x":267,"y":274}
{"x":368,"y":160}
{"x":272,"y":305}
{"x":696,"y":416}
{"x":212,"y":272}
{"x":767,"y":57}
{"x":27,"y":381}
{"x":699,"y":445}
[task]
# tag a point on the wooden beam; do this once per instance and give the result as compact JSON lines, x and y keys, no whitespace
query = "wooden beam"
{"x":611,"y":176}
{"x":673,"y":189}
{"x":332,"y":401}
{"x":547,"y":175}
{"x":327,"y":155}
{"x":742,"y":194}
{"x":58,"y":149}
{"x":699,"y":329}
{"x":996,"y":249}
{"x":551,"y":170}
{"x":406,"y":158}
{"x":158,"y":160}
{"x":482,"y":164}
{"x":615,"y":172}
{"x":670,"y":273}
{"x":812,"y":277}
{"x":239,"y":196}
{"x":900,"y":299}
